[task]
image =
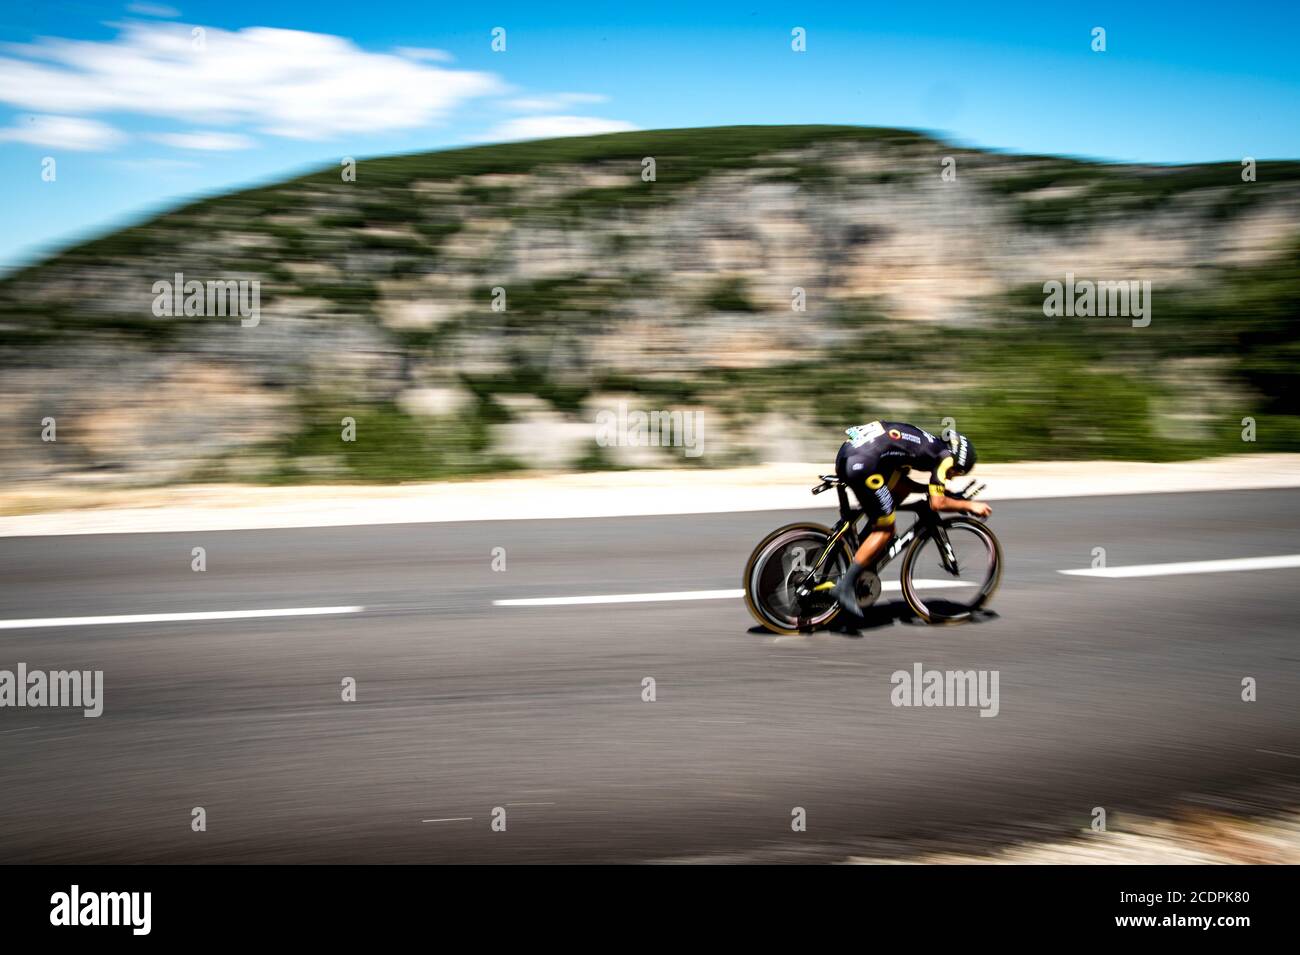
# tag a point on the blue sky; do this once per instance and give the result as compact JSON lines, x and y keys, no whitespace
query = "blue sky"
{"x":137,"y":118}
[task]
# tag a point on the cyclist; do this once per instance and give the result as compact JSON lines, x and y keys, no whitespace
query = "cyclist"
{"x":874,"y":462}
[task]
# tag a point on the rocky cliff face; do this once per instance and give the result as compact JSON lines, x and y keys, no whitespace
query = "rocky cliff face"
{"x":476,"y":309}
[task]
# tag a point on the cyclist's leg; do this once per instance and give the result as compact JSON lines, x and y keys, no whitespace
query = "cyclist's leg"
{"x":870,"y":487}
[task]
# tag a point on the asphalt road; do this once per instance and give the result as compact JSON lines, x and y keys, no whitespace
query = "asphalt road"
{"x":1119,"y":693}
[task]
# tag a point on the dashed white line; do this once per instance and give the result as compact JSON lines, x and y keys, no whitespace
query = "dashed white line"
{"x":679,"y":595}
{"x":1278,"y":562}
{"x":451,"y":819}
{"x":1190,"y":567}
{"x":926,"y":583}
{"x":1137,"y":570}
{"x":35,"y":622}
{"x":620,"y":598}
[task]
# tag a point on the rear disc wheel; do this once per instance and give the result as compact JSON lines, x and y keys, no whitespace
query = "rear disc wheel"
{"x":779,"y":566}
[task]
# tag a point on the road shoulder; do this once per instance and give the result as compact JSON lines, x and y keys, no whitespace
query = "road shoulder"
{"x":45,"y":510}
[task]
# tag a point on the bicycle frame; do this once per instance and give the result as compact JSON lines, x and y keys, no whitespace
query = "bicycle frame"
{"x":926,"y":519}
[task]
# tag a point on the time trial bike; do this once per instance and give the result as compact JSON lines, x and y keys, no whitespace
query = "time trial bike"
{"x":951,"y":566}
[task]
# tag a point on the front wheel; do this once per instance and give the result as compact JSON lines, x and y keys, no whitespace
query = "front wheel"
{"x":776,"y":569}
{"x":951,"y":570}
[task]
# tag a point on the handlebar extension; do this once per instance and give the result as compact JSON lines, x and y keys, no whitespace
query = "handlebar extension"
{"x":828,"y":481}
{"x":966,"y":494}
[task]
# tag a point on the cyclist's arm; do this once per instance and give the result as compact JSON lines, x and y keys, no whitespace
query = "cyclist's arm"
{"x":939,"y":499}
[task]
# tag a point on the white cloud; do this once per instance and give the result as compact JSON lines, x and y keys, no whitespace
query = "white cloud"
{"x":153,"y":10}
{"x":283,"y":82}
{"x":424,"y":53}
{"x":204,"y":139}
{"x":549,"y":102}
{"x":547,"y":127}
{"x":65,"y":132}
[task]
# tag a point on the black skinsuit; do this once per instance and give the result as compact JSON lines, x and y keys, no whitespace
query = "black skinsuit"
{"x":878,"y":453}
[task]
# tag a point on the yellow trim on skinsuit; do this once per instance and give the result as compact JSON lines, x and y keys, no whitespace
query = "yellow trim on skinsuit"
{"x":893,"y":479}
{"x":941,"y":472}
{"x":937,"y":489}
{"x":885,"y":521}
{"x":875,"y":482}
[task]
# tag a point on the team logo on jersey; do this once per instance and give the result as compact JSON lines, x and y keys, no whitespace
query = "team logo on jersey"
{"x":875,"y":481}
{"x":895,"y":433}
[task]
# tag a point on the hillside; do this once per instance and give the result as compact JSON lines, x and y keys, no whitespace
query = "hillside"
{"x":924,"y":299}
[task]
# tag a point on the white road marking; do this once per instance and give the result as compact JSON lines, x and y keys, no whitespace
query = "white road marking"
{"x":927,"y":583}
{"x":1190,"y":567}
{"x":451,"y":819}
{"x":679,"y":595}
{"x":172,"y":617}
{"x":621,"y":598}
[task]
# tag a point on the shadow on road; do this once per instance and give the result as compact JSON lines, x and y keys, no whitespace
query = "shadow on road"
{"x":876,"y":617}
{"x":881,"y":615}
